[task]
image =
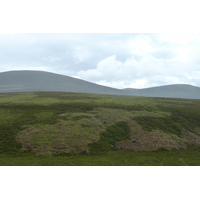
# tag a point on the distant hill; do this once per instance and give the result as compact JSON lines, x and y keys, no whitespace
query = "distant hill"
{"x":172,"y":91}
{"x":22,"y":81}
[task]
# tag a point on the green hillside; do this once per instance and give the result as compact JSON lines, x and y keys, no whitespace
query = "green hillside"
{"x":60,"y":128}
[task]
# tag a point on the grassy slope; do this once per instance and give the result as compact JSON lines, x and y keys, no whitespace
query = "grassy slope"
{"x":97,"y":126}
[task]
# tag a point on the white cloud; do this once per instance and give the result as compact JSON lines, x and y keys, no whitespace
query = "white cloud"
{"x":146,"y":72}
{"x":195,"y":75}
{"x":51,"y":59}
{"x":81,"y":54}
{"x":130,"y":73}
{"x":139,"y":83}
{"x":113,"y":84}
{"x":179,"y":38}
{"x":141,"y":45}
{"x":184,"y":53}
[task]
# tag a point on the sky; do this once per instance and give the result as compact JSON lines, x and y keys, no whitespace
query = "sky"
{"x":119,"y":60}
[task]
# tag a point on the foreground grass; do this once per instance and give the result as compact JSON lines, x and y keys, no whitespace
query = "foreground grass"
{"x":189,"y":157}
{"x":90,"y":129}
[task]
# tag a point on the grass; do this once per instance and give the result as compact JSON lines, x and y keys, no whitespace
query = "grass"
{"x":58,"y":128}
{"x":189,"y":157}
{"x":119,"y":131}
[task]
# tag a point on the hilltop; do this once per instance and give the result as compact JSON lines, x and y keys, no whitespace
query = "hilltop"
{"x":22,"y":81}
{"x":173,"y":91}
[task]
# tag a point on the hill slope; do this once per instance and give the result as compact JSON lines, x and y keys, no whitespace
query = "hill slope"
{"x":56,"y":123}
{"x":172,"y":91}
{"x":21,"y":81}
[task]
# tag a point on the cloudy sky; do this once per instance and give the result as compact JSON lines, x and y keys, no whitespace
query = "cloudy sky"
{"x":116,"y":60}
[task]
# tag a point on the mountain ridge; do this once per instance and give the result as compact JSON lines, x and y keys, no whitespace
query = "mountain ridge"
{"x":28,"y":80}
{"x":31,"y":80}
{"x":174,"y":91}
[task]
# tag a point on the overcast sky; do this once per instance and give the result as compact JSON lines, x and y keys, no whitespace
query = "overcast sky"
{"x":116,"y":60}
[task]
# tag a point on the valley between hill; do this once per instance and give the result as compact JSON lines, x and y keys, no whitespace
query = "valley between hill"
{"x":63,"y":128}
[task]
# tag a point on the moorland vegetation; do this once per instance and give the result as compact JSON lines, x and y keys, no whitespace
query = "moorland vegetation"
{"x":63,"y":128}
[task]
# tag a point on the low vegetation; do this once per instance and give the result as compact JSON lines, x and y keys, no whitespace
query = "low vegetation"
{"x":58,"y":128}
